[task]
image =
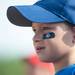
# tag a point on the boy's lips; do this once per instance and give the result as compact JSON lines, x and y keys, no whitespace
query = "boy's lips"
{"x":39,"y":48}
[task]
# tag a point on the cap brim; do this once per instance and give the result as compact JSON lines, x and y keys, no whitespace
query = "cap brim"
{"x":25,"y":15}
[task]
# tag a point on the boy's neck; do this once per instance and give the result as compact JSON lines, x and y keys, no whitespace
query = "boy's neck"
{"x":66,"y":61}
{"x":61,"y":64}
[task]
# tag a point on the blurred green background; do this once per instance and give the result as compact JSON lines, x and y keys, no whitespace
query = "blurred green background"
{"x":12,"y":67}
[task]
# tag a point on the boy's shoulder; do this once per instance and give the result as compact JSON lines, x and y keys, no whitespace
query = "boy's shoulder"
{"x":70,"y":70}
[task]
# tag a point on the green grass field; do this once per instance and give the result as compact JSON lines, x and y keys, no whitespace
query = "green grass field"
{"x":12,"y":67}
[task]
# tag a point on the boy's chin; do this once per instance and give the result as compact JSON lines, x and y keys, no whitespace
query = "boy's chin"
{"x":45,"y":60}
{"x":50,"y":60}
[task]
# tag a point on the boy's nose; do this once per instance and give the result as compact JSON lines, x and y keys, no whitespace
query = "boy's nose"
{"x":37,"y":38}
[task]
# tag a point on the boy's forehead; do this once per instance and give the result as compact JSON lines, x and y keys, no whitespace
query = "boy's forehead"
{"x":46,"y":24}
{"x":41,"y":25}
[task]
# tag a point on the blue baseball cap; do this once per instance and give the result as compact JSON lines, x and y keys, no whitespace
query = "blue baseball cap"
{"x":43,"y":11}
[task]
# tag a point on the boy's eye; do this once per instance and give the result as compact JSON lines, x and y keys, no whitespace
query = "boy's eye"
{"x":34,"y":30}
{"x":49,"y":35}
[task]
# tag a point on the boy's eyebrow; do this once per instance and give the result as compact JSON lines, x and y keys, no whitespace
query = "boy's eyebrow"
{"x":45,"y":28}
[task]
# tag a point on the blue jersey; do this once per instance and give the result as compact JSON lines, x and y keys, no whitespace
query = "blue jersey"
{"x":70,"y":70}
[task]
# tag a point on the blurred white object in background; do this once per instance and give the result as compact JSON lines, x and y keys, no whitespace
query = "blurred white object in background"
{"x":15,"y":42}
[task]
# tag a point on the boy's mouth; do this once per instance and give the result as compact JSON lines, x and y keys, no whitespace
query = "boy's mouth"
{"x":39,"y":48}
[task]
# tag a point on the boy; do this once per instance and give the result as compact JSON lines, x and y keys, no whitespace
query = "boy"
{"x":53,"y":22}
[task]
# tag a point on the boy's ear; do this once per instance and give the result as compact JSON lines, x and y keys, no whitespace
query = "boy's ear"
{"x":73,"y":30}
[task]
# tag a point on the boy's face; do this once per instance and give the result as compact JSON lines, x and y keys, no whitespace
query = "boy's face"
{"x":55,"y":48}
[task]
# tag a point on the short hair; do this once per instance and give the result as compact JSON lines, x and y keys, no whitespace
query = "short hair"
{"x":69,"y":24}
